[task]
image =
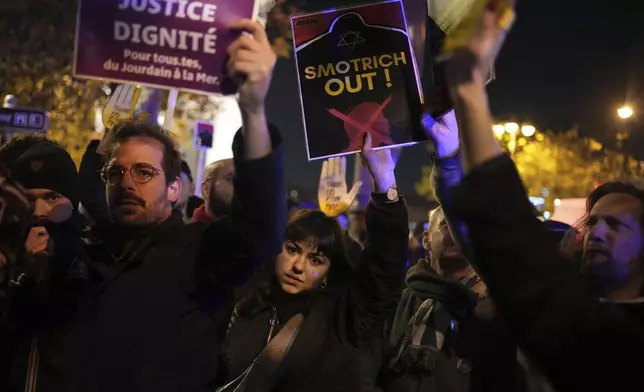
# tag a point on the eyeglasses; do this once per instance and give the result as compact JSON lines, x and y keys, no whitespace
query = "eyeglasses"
{"x":141,"y":173}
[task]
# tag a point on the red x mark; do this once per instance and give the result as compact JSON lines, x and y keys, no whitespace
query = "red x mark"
{"x":366,"y":127}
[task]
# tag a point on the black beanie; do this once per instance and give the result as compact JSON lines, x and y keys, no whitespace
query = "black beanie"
{"x":47,"y":166}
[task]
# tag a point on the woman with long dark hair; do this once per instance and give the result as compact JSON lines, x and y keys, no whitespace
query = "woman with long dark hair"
{"x":340,"y":307}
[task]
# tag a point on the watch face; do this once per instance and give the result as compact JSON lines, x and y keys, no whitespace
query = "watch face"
{"x":392,"y":194}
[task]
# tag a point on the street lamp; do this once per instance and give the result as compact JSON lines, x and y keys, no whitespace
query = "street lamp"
{"x":513,"y":129}
{"x":528,"y":130}
{"x":498,"y":130}
{"x":625,"y":112}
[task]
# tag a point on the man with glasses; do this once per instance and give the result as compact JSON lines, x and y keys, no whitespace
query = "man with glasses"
{"x":161,"y":294}
{"x":142,"y":176}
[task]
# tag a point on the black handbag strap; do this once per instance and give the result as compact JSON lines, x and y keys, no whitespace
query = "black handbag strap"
{"x":266,"y":369}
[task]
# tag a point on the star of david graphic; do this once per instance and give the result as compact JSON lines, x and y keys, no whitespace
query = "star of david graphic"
{"x":350,"y":39}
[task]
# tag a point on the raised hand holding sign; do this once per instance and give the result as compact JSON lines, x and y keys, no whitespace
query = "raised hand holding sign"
{"x":333,"y":197}
{"x":443,"y":131}
{"x":482,"y":32}
{"x":380,"y":164}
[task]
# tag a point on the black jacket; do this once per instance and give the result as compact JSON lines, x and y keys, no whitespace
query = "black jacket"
{"x":39,"y":317}
{"x":324,"y":356}
{"x":154,"y":322}
{"x":581,"y":344}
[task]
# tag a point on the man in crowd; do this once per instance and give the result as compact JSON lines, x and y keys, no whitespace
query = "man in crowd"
{"x":217,"y":189}
{"x":613,"y":242}
{"x":155,"y":321}
{"x":54,"y":273}
{"x":579,"y":341}
{"x":445,"y":334}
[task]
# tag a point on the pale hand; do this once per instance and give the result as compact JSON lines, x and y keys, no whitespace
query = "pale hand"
{"x":380,"y":165}
{"x":120,"y":107}
{"x":443,"y":132}
{"x":251,"y":61}
{"x":38,"y":242}
{"x":333,"y":197}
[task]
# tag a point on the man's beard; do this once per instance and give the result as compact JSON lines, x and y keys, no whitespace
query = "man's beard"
{"x":603,"y":279}
{"x":148,"y":214}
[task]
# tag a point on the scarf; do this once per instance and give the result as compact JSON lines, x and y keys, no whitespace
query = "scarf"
{"x":200,"y":215}
{"x":424,"y":283}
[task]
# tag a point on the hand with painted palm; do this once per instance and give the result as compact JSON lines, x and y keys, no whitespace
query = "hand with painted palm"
{"x":334,"y":198}
{"x":120,"y":107}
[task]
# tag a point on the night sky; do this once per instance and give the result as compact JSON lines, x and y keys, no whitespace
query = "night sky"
{"x":564,"y":63}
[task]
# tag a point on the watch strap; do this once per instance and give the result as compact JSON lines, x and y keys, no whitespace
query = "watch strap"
{"x":384,"y":197}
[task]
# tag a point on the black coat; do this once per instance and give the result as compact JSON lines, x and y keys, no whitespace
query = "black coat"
{"x":155,"y":321}
{"x":324,"y":356}
{"x":42,"y":315}
{"x":581,"y":344}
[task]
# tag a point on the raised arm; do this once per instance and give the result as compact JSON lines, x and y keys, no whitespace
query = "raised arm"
{"x":376,"y":290}
{"x":235,"y":245}
{"x":580,"y":343}
{"x":448,"y":170}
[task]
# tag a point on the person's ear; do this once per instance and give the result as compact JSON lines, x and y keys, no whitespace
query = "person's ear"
{"x":425,"y":241}
{"x":204,"y":191}
{"x":174,"y":189}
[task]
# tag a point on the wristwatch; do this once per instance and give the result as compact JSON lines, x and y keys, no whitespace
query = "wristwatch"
{"x":388,"y":197}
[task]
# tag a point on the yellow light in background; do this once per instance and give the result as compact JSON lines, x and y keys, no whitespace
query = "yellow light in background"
{"x":522,"y":142}
{"x":512,"y":145}
{"x":625,"y":112}
{"x":528,"y":130}
{"x":540,"y":137}
{"x":511,"y":128}
{"x":557,"y":202}
{"x":594,"y":145}
{"x":498,"y":130}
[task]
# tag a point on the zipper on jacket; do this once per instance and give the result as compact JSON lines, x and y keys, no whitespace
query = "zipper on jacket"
{"x":274,"y":322}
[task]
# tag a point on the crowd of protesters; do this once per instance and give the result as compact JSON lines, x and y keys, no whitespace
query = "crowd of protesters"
{"x":115,"y":277}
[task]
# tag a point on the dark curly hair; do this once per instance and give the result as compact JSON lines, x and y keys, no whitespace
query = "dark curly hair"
{"x":171,"y":155}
